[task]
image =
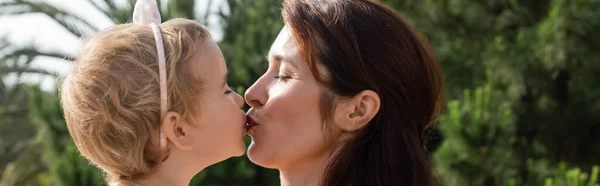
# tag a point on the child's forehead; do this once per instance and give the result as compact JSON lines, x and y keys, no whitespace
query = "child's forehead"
{"x":208,"y":64}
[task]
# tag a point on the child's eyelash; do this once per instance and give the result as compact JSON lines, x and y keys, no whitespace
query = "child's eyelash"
{"x":228,"y":91}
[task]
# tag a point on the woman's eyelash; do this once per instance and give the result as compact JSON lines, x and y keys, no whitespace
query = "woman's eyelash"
{"x":283,"y":77}
{"x":228,"y":91}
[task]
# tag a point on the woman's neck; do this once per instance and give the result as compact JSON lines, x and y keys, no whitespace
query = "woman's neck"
{"x":308,"y":171}
{"x":305,"y":173}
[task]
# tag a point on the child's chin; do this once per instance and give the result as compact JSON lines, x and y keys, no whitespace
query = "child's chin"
{"x":240,"y":150}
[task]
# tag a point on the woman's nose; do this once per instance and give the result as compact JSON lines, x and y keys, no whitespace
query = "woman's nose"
{"x":256,"y":95}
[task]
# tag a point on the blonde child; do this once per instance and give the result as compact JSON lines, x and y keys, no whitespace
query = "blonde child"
{"x":148,"y":103}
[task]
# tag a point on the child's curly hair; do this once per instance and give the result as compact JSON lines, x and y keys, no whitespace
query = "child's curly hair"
{"x":111,"y":99}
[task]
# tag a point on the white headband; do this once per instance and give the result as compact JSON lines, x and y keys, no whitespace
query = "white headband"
{"x":146,"y":12}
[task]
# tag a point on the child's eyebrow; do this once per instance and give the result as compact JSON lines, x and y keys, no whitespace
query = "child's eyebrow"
{"x":225,"y":79}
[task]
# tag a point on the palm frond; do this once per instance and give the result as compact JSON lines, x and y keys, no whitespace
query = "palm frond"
{"x":33,"y":52}
{"x":25,"y":70}
{"x":110,"y":12}
{"x":75,"y":24}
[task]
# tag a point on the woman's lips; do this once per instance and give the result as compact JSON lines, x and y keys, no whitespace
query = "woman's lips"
{"x":250,"y":123}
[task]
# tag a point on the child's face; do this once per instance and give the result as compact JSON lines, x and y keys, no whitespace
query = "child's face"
{"x":219,"y":128}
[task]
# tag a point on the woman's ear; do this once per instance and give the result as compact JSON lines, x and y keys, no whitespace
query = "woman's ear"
{"x":174,"y":130}
{"x":356,"y":113}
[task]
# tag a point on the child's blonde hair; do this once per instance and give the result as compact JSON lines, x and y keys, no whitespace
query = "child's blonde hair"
{"x":111,"y":99}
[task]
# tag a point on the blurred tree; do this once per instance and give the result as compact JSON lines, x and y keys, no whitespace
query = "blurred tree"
{"x":542,"y":57}
{"x":15,"y":128}
{"x":250,"y":28}
{"x":480,"y":132}
{"x":51,"y":158}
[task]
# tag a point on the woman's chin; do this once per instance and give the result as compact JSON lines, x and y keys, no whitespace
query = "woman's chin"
{"x":252,"y":151}
{"x":259,"y":157}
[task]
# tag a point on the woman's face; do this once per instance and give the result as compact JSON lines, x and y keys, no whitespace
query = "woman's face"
{"x":286,"y":125}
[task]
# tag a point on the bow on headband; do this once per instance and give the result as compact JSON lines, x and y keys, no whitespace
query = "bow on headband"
{"x":146,"y":12}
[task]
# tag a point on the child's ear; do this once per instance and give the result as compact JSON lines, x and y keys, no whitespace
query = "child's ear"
{"x":173,"y":130}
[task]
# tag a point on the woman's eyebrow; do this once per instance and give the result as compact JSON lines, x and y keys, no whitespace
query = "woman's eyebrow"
{"x":282,"y":59}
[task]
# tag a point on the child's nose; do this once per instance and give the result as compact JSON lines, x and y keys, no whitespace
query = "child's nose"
{"x":239,"y":100}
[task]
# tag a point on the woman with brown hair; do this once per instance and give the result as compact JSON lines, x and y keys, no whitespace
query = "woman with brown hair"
{"x":350,"y":89}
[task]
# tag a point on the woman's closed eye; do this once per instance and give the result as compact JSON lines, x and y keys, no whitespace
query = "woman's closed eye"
{"x":283,"y":77}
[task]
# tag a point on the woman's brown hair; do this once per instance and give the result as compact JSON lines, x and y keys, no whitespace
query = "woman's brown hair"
{"x":364,"y":45}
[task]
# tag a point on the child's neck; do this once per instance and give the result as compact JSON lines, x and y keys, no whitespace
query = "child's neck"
{"x":174,"y":171}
